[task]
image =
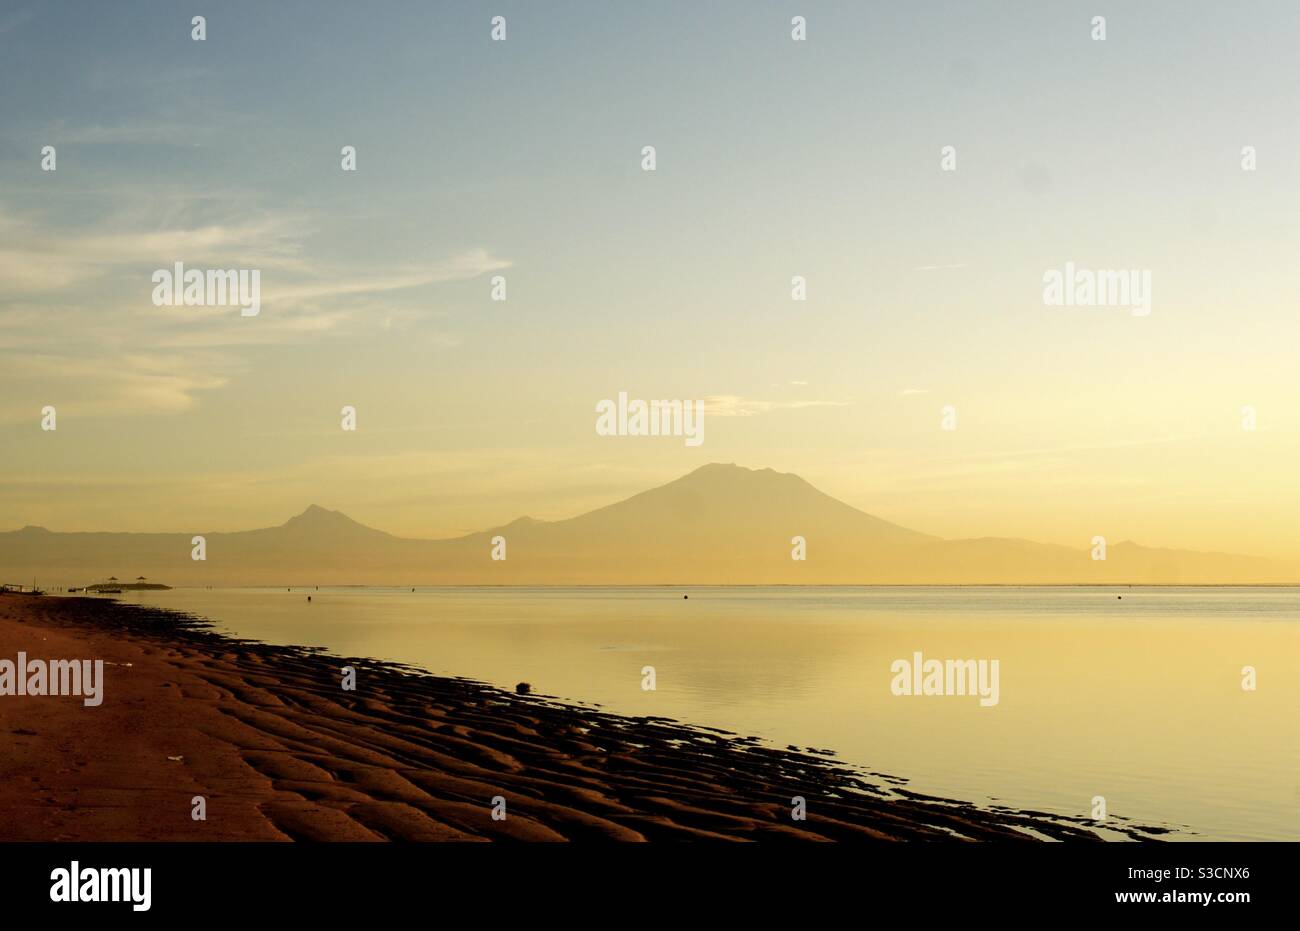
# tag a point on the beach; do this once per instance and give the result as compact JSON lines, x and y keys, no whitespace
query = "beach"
{"x":277,"y":750}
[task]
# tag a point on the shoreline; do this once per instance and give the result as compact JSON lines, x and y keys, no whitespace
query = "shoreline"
{"x":278,"y":750}
{"x":673,"y":586}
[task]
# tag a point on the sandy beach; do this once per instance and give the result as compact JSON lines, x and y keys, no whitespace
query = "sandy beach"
{"x":280,"y":751}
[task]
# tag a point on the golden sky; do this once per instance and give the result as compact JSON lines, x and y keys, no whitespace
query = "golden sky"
{"x":774,"y":160}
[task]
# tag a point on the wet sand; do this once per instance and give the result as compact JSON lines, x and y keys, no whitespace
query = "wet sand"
{"x":280,"y":751}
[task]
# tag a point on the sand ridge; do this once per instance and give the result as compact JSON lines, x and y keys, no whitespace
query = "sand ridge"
{"x":279,"y":751}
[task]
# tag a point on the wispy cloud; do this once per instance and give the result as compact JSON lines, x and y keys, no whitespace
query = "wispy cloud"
{"x":731,"y":405}
{"x":461,"y":267}
{"x":164,"y":118}
{"x":137,"y":383}
{"x":77,"y":304}
{"x":41,"y":259}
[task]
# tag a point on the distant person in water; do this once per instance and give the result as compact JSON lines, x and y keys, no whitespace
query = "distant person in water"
{"x":309,"y":597}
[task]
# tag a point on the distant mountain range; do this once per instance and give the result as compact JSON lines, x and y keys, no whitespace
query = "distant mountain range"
{"x":720,"y":525}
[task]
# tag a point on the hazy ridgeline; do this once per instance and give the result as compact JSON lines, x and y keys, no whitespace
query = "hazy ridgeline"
{"x":718,"y":525}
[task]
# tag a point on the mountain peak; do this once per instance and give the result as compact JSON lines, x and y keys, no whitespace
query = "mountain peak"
{"x":317,"y":516}
{"x":728,"y":468}
{"x":730,"y":472}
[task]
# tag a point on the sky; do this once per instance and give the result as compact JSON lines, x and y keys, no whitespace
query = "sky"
{"x":775,"y":158}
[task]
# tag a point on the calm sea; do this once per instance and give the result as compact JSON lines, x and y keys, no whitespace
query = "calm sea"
{"x":1134,"y":694}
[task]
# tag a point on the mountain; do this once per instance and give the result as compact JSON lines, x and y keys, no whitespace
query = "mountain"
{"x":720,"y":524}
